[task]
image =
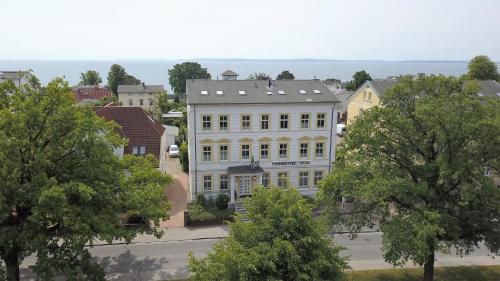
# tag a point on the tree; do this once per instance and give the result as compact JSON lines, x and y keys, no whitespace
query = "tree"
{"x":259,"y":76}
{"x":416,"y":166}
{"x":161,"y":105}
{"x":482,"y":68}
{"x":184,"y":157}
{"x":118,"y":76}
{"x":90,"y":78}
{"x":359,"y":78}
{"x":184,"y":71}
{"x":61,"y":186}
{"x":285,"y":75}
{"x":281,"y":241}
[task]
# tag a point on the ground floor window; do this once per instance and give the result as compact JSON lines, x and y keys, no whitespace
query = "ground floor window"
{"x":207,"y":183}
{"x":265,"y":179}
{"x":303,"y":179}
{"x":282,"y":179}
{"x":223,"y":182}
{"x":318,"y":175}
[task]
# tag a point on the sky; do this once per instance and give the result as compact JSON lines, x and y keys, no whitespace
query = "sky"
{"x":256,"y":29}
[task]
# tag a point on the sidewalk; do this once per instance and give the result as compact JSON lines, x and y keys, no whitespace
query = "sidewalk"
{"x":178,"y":234}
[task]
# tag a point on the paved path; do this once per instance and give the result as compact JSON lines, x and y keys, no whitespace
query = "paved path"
{"x":176,"y":193}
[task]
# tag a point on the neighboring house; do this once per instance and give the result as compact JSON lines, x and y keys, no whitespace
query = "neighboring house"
{"x":172,"y":115}
{"x":367,"y":96}
{"x":144,"y":134}
{"x":248,"y":132}
{"x":87,"y":95}
{"x":488,"y":88}
{"x":18,"y":77}
{"x":229,"y":75}
{"x":171,"y":133}
{"x":343,"y":96}
{"x":141,"y":95}
{"x":336,"y":86}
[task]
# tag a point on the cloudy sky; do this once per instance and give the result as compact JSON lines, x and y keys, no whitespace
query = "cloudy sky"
{"x":175,"y":29}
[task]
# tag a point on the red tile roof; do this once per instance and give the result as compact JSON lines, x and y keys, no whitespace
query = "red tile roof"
{"x":135,"y":125}
{"x":92,"y":93}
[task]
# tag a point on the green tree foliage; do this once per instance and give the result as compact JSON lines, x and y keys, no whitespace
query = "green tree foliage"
{"x":285,"y":75}
{"x":161,"y":105}
{"x":358,"y":79}
{"x":90,"y":78}
{"x":183,"y":156}
{"x":61,"y":186}
{"x":118,"y":76}
{"x":416,"y":166}
{"x":281,"y":241}
{"x":259,"y":76}
{"x":184,"y":71}
{"x":482,"y":68}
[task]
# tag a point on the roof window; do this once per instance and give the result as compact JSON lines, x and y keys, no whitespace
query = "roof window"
{"x":219,"y":92}
{"x":242,"y":92}
{"x":204,"y":92}
{"x":281,"y":92}
{"x":269,"y":93}
{"x":317,"y":91}
{"x":302,"y":92}
{"x":309,"y":100}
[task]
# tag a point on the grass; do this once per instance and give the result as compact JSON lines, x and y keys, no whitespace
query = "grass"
{"x":459,"y":273}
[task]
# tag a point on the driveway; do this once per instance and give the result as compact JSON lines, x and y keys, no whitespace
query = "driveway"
{"x":176,"y":193}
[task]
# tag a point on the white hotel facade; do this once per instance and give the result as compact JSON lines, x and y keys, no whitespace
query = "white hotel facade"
{"x":286,"y":128}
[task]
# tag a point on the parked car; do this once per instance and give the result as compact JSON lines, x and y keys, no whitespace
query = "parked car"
{"x":173,"y":151}
{"x":341,"y":129}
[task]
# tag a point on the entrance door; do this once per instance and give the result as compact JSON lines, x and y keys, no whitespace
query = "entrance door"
{"x":245,"y":185}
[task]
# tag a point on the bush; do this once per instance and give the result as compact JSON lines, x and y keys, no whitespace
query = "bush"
{"x":201,"y":200}
{"x":222,"y":201}
{"x":199,"y":213}
{"x":183,"y":156}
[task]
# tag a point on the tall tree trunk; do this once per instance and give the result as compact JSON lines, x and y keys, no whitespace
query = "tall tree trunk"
{"x":429,"y":268}
{"x":12,"y":266}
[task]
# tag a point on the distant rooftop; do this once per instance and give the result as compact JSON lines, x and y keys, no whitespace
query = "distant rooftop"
{"x":229,"y":73}
{"x":204,"y":91}
{"x":140,"y":88}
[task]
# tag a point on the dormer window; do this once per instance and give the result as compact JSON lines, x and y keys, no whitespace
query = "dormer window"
{"x":219,"y":92}
{"x":269,"y":93}
{"x":317,"y":91}
{"x":204,"y":92}
{"x":281,"y":92}
{"x":242,"y":92}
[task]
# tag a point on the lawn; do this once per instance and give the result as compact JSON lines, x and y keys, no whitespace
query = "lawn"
{"x":465,"y":273}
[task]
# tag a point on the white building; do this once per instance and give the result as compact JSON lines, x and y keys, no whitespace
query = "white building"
{"x":141,"y":95}
{"x":286,"y":126}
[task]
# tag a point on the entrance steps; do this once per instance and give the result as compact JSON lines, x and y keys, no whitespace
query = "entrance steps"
{"x":240,"y":209}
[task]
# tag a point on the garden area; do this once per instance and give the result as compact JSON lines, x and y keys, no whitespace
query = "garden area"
{"x":208,"y":210}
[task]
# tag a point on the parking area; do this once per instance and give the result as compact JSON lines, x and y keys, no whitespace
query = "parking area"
{"x":176,"y":193}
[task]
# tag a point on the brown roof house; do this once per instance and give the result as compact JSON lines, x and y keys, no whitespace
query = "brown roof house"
{"x":145,"y":135}
{"x":90,"y":94}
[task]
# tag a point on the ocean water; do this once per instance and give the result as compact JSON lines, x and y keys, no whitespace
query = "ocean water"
{"x":156,"y":71}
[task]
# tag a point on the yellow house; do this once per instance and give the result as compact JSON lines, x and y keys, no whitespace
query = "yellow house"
{"x":367,"y":96}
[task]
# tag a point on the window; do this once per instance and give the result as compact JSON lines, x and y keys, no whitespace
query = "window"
{"x":245,"y":151}
{"x":223,"y":182}
{"x":367,"y":96}
{"x":223,"y":122}
{"x":283,"y":151}
{"x":282,"y":179}
{"x":207,"y":153}
{"x":304,"y":121}
{"x":150,"y":101}
{"x":264,"y":151}
{"x":265,"y":179}
{"x":264,"y":122}
{"x":204,"y":92}
{"x":207,"y":183}
{"x":135,"y":150}
{"x":319,"y":150}
{"x":130,"y":102}
{"x":139,"y":150}
{"x":219,"y":92}
{"x":303,"y":179}
{"x":283,"y":121}
{"x":304,"y":150}
{"x":206,"y":122}
{"x":245,"y":122}
{"x":142,"y":150}
{"x":318,"y":175}
{"x":320,"y":120}
{"x":141,"y":102}
{"x":487,"y":171}
{"x":242,"y":92}
{"x":223,"y":153}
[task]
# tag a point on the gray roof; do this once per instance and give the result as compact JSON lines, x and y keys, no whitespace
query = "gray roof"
{"x":489,"y":88}
{"x":229,"y":73}
{"x":256,"y":92}
{"x":141,"y":88}
{"x":381,"y":85}
{"x":9,"y":75}
{"x":343,"y":96}
{"x":246,"y":169}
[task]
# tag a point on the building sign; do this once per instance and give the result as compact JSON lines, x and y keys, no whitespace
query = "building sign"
{"x":291,"y":163}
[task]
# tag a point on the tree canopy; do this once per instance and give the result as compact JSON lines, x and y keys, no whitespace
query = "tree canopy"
{"x":285,"y":75}
{"x":184,"y":71}
{"x":61,"y":186}
{"x":259,"y":76}
{"x":482,"y":68}
{"x":90,"y":78}
{"x":281,"y":241}
{"x":416,"y":166}
{"x":118,"y":76}
{"x":358,"y":79}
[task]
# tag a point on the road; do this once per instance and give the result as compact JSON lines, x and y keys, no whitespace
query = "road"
{"x":168,"y":260}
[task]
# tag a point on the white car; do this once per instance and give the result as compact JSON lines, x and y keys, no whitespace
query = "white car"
{"x":173,"y":151}
{"x":341,"y":129}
